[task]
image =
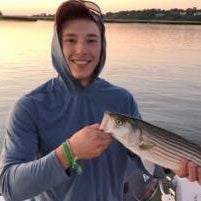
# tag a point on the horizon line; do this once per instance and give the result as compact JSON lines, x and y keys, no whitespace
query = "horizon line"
{"x":49,"y":13}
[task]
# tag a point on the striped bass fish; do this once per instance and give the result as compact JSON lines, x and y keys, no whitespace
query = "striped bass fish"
{"x":150,"y":143}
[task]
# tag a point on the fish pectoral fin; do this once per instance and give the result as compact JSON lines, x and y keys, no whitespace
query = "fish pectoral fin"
{"x":146,"y":146}
{"x":149,"y":166}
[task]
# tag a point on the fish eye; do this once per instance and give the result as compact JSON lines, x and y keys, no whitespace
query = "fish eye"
{"x":118,"y":122}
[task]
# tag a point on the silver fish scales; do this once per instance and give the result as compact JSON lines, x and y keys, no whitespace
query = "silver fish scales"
{"x":150,"y":142}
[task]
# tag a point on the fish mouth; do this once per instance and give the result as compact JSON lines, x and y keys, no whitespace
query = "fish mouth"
{"x":106,"y":124}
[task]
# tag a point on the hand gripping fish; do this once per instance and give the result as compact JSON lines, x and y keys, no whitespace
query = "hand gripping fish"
{"x":152,"y":144}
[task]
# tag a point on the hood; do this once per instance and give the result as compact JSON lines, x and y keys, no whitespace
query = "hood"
{"x":63,"y":69}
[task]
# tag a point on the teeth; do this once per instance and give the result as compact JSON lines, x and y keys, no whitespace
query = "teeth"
{"x":80,"y":62}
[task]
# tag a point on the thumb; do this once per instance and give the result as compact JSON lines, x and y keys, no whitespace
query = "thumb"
{"x":94,"y":126}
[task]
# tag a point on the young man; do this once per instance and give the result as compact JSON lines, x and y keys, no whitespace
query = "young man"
{"x":53,"y":131}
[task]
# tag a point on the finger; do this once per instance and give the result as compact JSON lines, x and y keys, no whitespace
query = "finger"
{"x":106,"y":136}
{"x":94,"y":126}
{"x":103,"y":133}
{"x":182,"y":171}
{"x":192,"y":171}
{"x":199,"y":175}
{"x":107,"y":141}
{"x":104,"y":143}
{"x":97,"y":151}
{"x":102,"y":130}
{"x":103,"y":147}
{"x":104,"y":140}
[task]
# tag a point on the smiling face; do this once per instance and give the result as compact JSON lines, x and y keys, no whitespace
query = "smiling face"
{"x":81,"y":46}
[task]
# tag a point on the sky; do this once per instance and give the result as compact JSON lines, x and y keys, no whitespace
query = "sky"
{"x":30,"y":7}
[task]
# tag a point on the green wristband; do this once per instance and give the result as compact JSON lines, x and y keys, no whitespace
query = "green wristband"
{"x":67,"y":154}
{"x":70,"y":158}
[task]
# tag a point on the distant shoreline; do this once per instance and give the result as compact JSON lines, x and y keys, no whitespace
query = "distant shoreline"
{"x":153,"y":21}
{"x":18,"y":18}
{"x":34,"y":19}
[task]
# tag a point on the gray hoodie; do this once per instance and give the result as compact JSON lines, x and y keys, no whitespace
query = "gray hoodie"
{"x":46,"y":117}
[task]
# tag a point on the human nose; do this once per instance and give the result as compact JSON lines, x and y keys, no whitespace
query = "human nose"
{"x":81,"y":47}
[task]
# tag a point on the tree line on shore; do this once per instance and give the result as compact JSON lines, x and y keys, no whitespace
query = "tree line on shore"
{"x":188,"y":14}
{"x":159,"y":14}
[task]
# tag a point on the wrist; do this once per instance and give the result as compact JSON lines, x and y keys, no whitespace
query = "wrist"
{"x":72,"y":146}
{"x":72,"y":160}
{"x":61,"y":157}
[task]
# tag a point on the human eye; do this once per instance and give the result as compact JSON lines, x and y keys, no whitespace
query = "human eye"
{"x":92,"y":40}
{"x":69,"y":40}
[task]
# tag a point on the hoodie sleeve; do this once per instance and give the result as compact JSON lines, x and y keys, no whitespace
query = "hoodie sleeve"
{"x":23,"y":176}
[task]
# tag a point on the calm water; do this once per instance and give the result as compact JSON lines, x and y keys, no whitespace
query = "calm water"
{"x":159,"y":64}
